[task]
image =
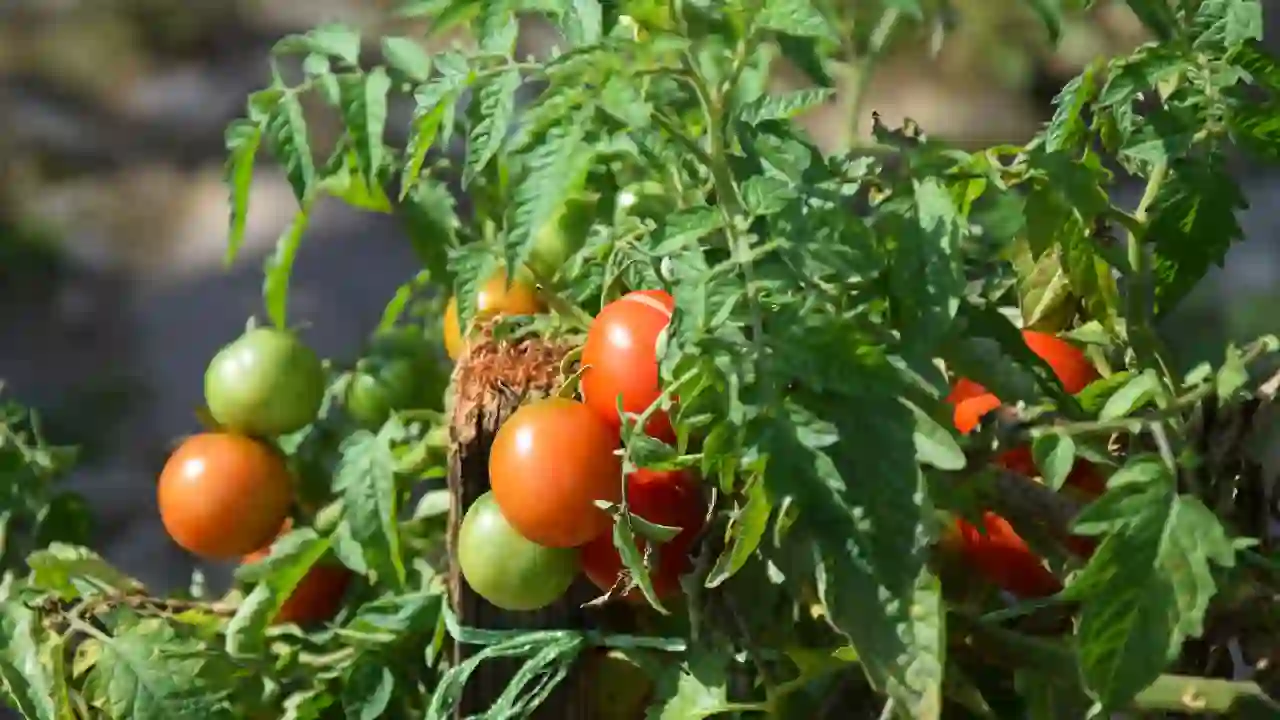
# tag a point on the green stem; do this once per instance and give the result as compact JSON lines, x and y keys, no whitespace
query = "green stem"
{"x":1141,"y":295}
{"x":1197,"y":695}
{"x":864,"y":69}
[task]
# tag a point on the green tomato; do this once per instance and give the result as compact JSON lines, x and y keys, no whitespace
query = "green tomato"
{"x":264,"y":383}
{"x":505,"y":568}
{"x":380,"y":387}
{"x":563,"y":236}
{"x":647,"y":199}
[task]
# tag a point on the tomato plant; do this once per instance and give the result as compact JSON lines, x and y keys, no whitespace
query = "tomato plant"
{"x":549,"y":464}
{"x":222,"y":495}
{"x":317,"y":596}
{"x":264,"y":383}
{"x":670,"y":499}
{"x":813,"y":332}
{"x":506,"y":568}
{"x":620,"y":363}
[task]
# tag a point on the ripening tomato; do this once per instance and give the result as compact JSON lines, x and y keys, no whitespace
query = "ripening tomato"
{"x":494,"y":298}
{"x":264,"y":383}
{"x":665,"y":498}
{"x":1004,"y":559}
{"x":318,"y":595}
{"x":620,"y":359}
{"x":549,"y":463}
{"x":506,"y":568}
{"x":1069,"y":365}
{"x":222,"y":495}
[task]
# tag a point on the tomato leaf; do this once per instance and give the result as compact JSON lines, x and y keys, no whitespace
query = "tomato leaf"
{"x":583,"y":22}
{"x":32,"y":665}
{"x":146,"y":671}
{"x":747,"y":528}
{"x":1055,"y":455}
{"x":495,"y":110}
{"x":549,"y":175}
{"x":408,"y":56}
{"x":368,"y":688}
{"x":1135,"y":394}
{"x":279,"y":268}
{"x":693,"y":689}
{"x":1148,"y":585}
{"x":935,"y":444}
{"x":435,"y":110}
{"x":333,"y":39}
{"x":72,"y":572}
{"x":290,"y":558}
{"x":365,"y":477}
{"x":363,"y":97}
{"x":286,"y":136}
{"x":799,"y":18}
{"x":242,"y":139}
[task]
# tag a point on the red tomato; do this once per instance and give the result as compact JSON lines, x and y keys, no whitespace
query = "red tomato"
{"x":317,"y":597}
{"x":1004,"y":558}
{"x":620,"y":359}
{"x":667,"y":498}
{"x":550,"y":461}
{"x":1069,"y":364}
{"x":222,"y":495}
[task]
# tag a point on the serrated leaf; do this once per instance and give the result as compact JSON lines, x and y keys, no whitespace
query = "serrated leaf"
{"x":435,"y":111}
{"x":746,"y":530}
{"x":694,"y":689}
{"x":795,"y":17}
{"x":497,"y":106}
{"x":926,"y":275}
{"x":1148,"y":585}
{"x":785,"y":106}
{"x":1131,"y":397}
{"x":146,"y":673}
{"x":552,"y":172}
{"x":278,"y":269}
{"x":365,"y":477}
{"x":286,"y":137}
{"x":289,"y":560}
{"x":243,"y":138}
{"x":1193,"y":223}
{"x":364,"y":113}
{"x":408,"y":56}
{"x":30,"y":660}
{"x":73,"y":572}
{"x":1227,"y":24}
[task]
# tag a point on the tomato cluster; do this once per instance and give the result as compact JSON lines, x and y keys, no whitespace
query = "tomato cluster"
{"x":996,"y":551}
{"x":555,"y":461}
{"x":226,"y":494}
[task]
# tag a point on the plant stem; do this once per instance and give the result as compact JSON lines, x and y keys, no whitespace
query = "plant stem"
{"x":864,"y":69}
{"x":1141,"y":293}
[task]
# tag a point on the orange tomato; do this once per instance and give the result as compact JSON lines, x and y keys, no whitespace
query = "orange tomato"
{"x":1004,"y":559}
{"x":223,"y":495}
{"x":620,"y":359}
{"x":1069,"y":365}
{"x":668,"y":498}
{"x":494,"y":298}
{"x":317,"y":597}
{"x":549,"y":463}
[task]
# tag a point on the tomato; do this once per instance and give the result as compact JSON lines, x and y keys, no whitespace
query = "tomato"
{"x":264,"y":383}
{"x":494,"y":298}
{"x":549,"y":463}
{"x":665,"y":498}
{"x":560,"y":238}
{"x":1069,"y":365}
{"x":317,"y":597}
{"x":1004,"y":558}
{"x":620,"y":359}
{"x":381,"y":386}
{"x":223,"y":495}
{"x":506,"y":568}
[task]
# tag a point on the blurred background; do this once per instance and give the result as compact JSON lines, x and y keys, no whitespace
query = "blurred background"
{"x":113,"y":215}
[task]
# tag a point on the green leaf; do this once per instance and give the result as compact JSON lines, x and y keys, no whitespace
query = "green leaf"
{"x":334,"y":40}
{"x":786,"y":106}
{"x":365,"y":477}
{"x":435,"y":111}
{"x":804,"y":53}
{"x":1091,"y":279}
{"x":1193,"y":223}
{"x":497,"y":106}
{"x":32,"y":666}
{"x":289,"y":560}
{"x":552,"y":172}
{"x":1050,"y":13}
{"x":746,"y":529}
{"x":346,"y":183}
{"x":408,"y":56}
{"x":1069,"y":128}
{"x":242,"y":138}
{"x":935,"y":443}
{"x":583,"y":22}
{"x":147,"y":672}
{"x":1227,"y":24}
{"x":795,"y":17}
{"x":279,"y":268}
{"x":1055,"y":455}
{"x":925,"y":272}
{"x":1148,"y":585}
{"x":694,"y":689}
{"x":73,"y":572}
{"x":1158,"y":16}
{"x":286,"y":136}
{"x":364,"y":112}
{"x":1131,"y":397}
{"x":368,"y":689}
